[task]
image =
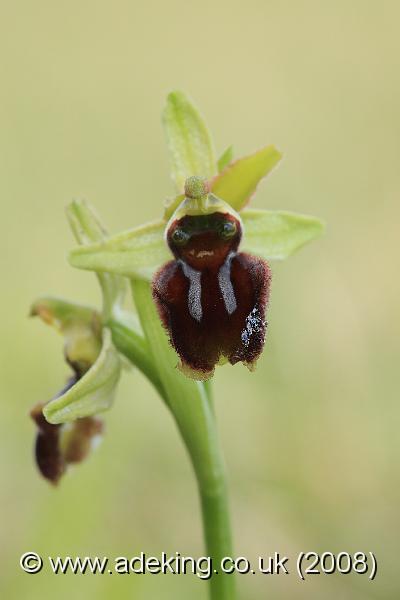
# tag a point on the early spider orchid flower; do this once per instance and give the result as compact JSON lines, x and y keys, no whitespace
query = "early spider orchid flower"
{"x":213,"y":295}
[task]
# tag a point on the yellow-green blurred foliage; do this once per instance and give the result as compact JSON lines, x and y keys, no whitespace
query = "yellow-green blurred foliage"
{"x":311,"y":439}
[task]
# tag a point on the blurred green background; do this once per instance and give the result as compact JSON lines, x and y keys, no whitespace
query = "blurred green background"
{"x":311,"y":439}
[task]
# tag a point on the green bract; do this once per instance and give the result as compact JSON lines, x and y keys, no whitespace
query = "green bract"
{"x":93,"y":393}
{"x":90,"y":352}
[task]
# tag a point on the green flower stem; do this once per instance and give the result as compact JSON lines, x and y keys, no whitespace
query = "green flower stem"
{"x":209,"y":391}
{"x":192,"y":410}
{"x":135,"y":348}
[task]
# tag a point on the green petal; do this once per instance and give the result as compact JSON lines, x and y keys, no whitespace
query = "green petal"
{"x":93,"y":393}
{"x":225,"y":158}
{"x":134,"y":253}
{"x":277,"y":234}
{"x":238,"y":182}
{"x":189,"y":141}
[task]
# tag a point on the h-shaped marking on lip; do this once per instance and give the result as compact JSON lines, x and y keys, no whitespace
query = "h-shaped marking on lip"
{"x":225,"y":285}
{"x":194,"y":295}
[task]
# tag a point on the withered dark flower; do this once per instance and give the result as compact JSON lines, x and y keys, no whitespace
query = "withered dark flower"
{"x":49,"y":459}
{"x":66,"y":425}
{"x":211,"y":298}
{"x":57,"y":446}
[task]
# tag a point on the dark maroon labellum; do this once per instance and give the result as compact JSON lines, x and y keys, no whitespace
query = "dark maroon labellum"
{"x":212,"y":298}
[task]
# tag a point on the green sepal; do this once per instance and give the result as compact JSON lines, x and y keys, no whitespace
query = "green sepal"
{"x":275,"y":235}
{"x":87,"y":228}
{"x":62,"y":315}
{"x":238,"y":182}
{"x":140,"y":252}
{"x":93,"y":393}
{"x":134,"y":253}
{"x":189,"y":141}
